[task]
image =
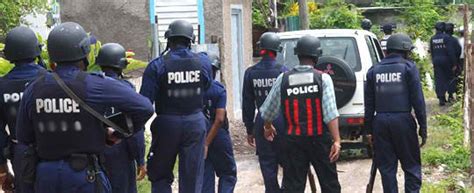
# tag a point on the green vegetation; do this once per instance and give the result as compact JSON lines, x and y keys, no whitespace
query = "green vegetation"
{"x":13,"y":10}
{"x":445,"y":149}
{"x":336,"y":15}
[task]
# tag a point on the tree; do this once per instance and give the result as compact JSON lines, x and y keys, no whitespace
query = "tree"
{"x":11,"y":12}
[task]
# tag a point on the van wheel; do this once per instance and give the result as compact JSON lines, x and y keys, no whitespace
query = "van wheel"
{"x":342,"y":75}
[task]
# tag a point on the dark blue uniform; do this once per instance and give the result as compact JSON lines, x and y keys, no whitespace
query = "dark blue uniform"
{"x":454,"y":44}
{"x":220,"y":156}
{"x":121,"y":159}
{"x":68,"y":138}
{"x":12,"y":86}
{"x":258,"y":81}
{"x":393,"y":89}
{"x":176,"y":83}
{"x":443,"y":55}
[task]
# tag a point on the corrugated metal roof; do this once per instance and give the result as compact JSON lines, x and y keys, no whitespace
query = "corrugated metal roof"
{"x":169,"y":10}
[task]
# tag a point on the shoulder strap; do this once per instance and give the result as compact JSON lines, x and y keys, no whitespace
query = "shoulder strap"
{"x":89,"y":109}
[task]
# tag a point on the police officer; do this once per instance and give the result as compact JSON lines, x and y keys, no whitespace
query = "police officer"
{"x":457,"y":65}
{"x":66,"y":137}
{"x":443,"y":55}
{"x":306,"y":98}
{"x":176,"y":82}
{"x":387,"y":30}
{"x":121,"y":159}
{"x":21,"y":48}
{"x":366,"y":24}
{"x":220,"y":156}
{"x":258,"y":80}
{"x":392,"y":90}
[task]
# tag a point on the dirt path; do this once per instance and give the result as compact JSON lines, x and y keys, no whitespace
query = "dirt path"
{"x":353,"y":175}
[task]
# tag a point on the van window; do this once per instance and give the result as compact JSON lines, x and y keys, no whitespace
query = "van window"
{"x":373,"y":53}
{"x":344,"y":48}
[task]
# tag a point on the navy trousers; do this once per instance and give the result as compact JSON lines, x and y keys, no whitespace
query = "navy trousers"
{"x":269,"y":154}
{"x":20,"y":187}
{"x":395,"y":138}
{"x":59,"y":177}
{"x":443,"y":76}
{"x":220,"y":161}
{"x":173,"y":135}
{"x":121,"y":169}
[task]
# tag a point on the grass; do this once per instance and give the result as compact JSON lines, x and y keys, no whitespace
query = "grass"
{"x":445,"y":149}
{"x":144,"y":186}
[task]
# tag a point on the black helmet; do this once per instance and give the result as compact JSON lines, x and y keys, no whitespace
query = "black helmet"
{"x":20,"y":44}
{"x":112,"y":55}
{"x":399,"y":42}
{"x":449,"y":28}
{"x":215,"y":61}
{"x":387,"y":28}
{"x":180,"y":28}
{"x":270,"y":41}
{"x":68,"y":42}
{"x":366,"y":24}
{"x":440,"y":26}
{"x":308,"y":46}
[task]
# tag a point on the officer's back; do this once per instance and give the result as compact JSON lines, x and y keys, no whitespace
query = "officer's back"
{"x":68,"y":139}
{"x":438,"y":45}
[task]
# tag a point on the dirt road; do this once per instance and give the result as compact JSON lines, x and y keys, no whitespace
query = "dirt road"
{"x":353,"y":175}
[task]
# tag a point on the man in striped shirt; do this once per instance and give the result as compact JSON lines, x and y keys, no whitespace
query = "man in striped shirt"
{"x":306,"y":98}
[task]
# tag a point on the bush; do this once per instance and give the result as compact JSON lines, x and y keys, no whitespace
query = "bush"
{"x":336,"y":15}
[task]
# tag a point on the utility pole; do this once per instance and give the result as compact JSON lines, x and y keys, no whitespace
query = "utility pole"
{"x":303,"y":11}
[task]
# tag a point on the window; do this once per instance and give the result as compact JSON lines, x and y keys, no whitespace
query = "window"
{"x":344,"y":48}
{"x":373,"y":54}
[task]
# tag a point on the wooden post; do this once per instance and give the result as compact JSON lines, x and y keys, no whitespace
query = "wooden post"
{"x":467,"y":74}
{"x":303,"y":11}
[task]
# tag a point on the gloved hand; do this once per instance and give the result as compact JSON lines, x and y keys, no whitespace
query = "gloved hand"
{"x":423,"y":136}
{"x":141,"y":172}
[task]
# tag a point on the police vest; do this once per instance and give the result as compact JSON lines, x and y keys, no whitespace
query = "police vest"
{"x":438,"y":45}
{"x":262,"y":82}
{"x":11,"y":92}
{"x":301,"y":95}
{"x":61,"y":126}
{"x":181,"y":86}
{"x":383,"y":42}
{"x":391,"y":87}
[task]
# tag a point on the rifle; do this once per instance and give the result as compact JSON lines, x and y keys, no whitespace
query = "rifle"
{"x":312,"y":183}
{"x":373,"y":173}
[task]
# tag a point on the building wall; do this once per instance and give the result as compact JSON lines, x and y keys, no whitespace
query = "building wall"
{"x":218,"y":23}
{"x":122,"y":21}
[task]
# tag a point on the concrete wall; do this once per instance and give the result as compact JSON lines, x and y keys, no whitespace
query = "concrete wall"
{"x":122,"y":21}
{"x":218,"y":23}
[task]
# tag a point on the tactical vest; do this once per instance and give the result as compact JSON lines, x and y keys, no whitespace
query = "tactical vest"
{"x":301,"y":95}
{"x":383,"y":42}
{"x":61,"y":126}
{"x":12,"y":92}
{"x":181,"y":87}
{"x":262,"y":82}
{"x":391,"y":87}
{"x":438,"y":46}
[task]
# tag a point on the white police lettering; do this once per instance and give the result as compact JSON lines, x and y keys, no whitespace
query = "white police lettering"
{"x":12,"y":97}
{"x":62,"y":105}
{"x":388,"y":77}
{"x":184,"y":77}
{"x":302,"y":90}
{"x":263,"y":82}
{"x":438,"y":41}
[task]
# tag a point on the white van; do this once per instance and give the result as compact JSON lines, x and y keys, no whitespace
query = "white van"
{"x":347,"y":56}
